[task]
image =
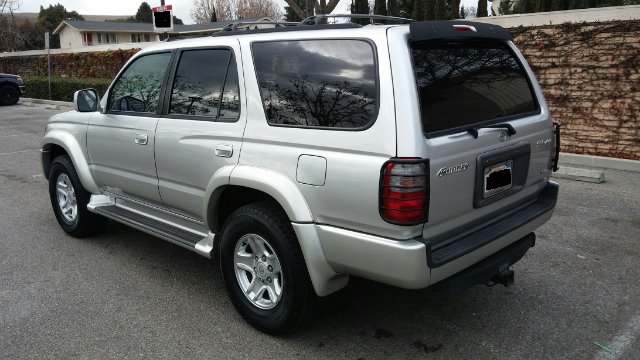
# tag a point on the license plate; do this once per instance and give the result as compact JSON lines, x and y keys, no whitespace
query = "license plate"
{"x":497,"y":178}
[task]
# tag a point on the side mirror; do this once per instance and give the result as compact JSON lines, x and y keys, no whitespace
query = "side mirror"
{"x":86,"y":100}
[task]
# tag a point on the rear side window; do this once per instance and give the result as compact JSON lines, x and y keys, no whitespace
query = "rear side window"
{"x":206,"y":84}
{"x":318,"y":83}
{"x":468,"y":82}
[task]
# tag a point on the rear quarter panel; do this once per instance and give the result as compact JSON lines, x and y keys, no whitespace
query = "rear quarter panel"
{"x":349,"y":196}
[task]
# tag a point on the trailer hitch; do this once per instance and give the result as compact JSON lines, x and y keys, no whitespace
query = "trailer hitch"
{"x":505,"y":277}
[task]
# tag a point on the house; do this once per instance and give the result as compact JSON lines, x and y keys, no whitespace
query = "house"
{"x":75,"y":34}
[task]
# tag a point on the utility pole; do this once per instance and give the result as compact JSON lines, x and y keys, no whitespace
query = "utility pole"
{"x":47,"y":44}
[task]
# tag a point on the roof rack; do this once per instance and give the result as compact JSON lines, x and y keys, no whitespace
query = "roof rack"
{"x":321,"y":19}
{"x":239,"y":24}
{"x":316,"y":22}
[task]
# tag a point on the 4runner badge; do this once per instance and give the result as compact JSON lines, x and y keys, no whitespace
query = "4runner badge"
{"x":454,"y":169}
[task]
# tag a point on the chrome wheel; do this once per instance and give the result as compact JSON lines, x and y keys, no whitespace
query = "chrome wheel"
{"x":66,"y":198}
{"x":258,"y":271}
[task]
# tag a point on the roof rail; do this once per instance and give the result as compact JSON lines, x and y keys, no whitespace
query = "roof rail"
{"x":321,"y":19}
{"x":235,"y":25}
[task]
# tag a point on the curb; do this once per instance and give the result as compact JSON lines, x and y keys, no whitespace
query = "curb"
{"x":53,"y":103}
{"x":593,"y":176}
{"x":599,"y":162}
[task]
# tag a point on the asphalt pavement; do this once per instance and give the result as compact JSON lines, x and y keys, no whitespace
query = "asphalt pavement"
{"x":127,"y":295}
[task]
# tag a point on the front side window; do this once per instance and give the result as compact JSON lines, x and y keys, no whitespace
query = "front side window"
{"x":138,"y":88}
{"x":206,"y":84}
{"x":318,"y":83}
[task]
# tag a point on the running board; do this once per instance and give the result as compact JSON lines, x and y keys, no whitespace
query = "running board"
{"x":166,"y":231}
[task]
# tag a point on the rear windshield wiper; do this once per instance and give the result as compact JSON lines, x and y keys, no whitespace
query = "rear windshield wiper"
{"x":473,"y":130}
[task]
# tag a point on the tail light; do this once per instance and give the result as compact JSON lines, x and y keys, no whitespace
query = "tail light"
{"x":404,"y":191}
{"x":555,"y":152}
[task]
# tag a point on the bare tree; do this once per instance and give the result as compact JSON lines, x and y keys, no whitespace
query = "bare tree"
{"x":9,"y":6}
{"x":313,"y":7}
{"x":234,"y":10}
{"x":255,"y":9}
{"x":202,"y":10}
{"x":226,"y":9}
{"x":9,"y":37}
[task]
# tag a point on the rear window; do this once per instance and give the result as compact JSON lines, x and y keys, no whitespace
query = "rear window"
{"x":464,"y":83}
{"x":318,"y":83}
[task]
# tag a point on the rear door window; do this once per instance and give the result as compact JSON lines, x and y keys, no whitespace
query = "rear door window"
{"x":461,"y":83}
{"x":206,"y":85}
{"x":328,"y":83}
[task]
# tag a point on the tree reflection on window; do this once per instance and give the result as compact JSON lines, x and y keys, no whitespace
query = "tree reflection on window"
{"x":206,"y":84}
{"x":462,"y":83}
{"x":138,"y":88}
{"x":317,"y":83}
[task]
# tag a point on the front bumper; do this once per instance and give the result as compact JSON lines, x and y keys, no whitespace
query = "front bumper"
{"x":415,"y":263}
{"x":23,"y":89}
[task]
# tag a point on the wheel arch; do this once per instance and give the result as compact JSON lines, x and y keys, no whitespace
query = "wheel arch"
{"x":56,"y":143}
{"x":233,"y":187}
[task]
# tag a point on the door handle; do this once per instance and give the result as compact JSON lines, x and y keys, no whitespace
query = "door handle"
{"x":141,"y":139}
{"x":224,"y":150}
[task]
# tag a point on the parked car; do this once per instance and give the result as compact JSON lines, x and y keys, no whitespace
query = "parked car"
{"x":416,"y":155}
{"x":11,"y":89}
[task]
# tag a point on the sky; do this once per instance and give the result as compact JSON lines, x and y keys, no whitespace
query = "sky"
{"x":181,"y":8}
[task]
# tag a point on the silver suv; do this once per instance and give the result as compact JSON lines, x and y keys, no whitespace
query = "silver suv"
{"x":414,"y":155}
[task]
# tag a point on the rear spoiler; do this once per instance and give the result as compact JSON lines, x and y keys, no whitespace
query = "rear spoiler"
{"x":438,"y":30}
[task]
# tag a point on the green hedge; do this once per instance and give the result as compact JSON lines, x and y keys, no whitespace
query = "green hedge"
{"x":62,"y":88}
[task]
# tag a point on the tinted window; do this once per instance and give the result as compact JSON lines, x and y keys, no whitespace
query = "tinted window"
{"x":138,"y":88}
{"x":206,"y":84}
{"x":462,"y":83}
{"x":324,"y":83}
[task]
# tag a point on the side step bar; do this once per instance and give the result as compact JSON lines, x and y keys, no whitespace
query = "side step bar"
{"x":176,"y":235}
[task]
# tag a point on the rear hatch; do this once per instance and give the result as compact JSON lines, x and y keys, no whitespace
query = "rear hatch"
{"x":486,"y":130}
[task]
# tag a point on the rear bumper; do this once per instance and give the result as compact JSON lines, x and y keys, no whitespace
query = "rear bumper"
{"x":415,"y":264}
{"x":486,"y":269}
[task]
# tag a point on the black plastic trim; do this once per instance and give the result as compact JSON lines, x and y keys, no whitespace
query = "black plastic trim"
{"x":287,"y":29}
{"x":486,"y":269}
{"x":468,"y":243}
{"x":520,"y":153}
{"x":556,"y":155}
{"x":432,"y":30}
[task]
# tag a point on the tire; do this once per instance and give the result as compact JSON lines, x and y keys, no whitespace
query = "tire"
{"x":69,"y":200}
{"x":9,"y":95}
{"x":259,"y":238}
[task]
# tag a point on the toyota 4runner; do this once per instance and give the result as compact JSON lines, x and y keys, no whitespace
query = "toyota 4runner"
{"x":416,"y":155}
